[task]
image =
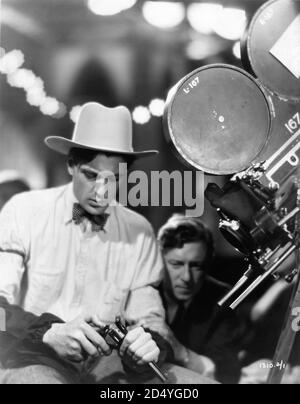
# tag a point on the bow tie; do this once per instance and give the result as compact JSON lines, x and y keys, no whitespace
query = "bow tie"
{"x":98,"y":221}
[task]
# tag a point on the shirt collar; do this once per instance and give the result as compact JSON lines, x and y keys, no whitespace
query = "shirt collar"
{"x":173,"y":304}
{"x":70,"y":199}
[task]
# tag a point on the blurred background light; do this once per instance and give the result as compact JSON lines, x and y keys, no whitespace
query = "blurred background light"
{"x":204,"y":47}
{"x":38,"y":83}
{"x":157,"y":107}
{"x":61,"y":111}
{"x":236,"y":50}
{"x":20,"y":22}
{"x":141,"y":115}
{"x":21,"y":78}
{"x":50,"y":106}
{"x":164,"y":14}
{"x":109,"y":7}
{"x":35,"y":96}
{"x":197,"y":50}
{"x":231,"y":23}
{"x":11,"y":61}
{"x":203,"y":17}
{"x":74,"y":113}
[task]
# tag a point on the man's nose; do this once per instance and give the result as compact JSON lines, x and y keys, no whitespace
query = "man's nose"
{"x":100,"y":187}
{"x":186,"y":276}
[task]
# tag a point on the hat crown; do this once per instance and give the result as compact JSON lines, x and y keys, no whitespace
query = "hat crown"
{"x":101,"y":127}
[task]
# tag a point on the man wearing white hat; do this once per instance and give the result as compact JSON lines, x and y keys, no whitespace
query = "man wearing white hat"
{"x":71,"y":258}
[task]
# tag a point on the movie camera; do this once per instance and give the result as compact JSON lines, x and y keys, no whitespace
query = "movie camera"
{"x":224,"y":120}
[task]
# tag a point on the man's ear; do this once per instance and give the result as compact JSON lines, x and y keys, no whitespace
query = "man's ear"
{"x":70,"y":170}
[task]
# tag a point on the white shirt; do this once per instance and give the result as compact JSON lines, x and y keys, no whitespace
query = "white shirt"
{"x":49,"y":264}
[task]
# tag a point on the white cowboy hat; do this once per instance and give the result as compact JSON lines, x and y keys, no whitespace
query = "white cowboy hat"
{"x":100,"y":128}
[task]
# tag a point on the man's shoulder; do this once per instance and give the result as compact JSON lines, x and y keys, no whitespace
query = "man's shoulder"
{"x":212,"y":290}
{"x":38,"y":198}
{"x":217,"y":285}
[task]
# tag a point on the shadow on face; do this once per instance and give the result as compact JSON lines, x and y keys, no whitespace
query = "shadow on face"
{"x":96,"y":183}
{"x":186,"y":269}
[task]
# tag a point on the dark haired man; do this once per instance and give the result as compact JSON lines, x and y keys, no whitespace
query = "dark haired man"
{"x":72,"y":259}
{"x":203,"y":340}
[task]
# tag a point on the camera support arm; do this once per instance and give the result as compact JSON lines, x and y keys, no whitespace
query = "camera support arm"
{"x":288,"y":334}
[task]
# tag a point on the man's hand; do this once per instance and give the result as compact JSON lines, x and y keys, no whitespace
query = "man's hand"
{"x":76,"y":340}
{"x":160,"y":326}
{"x":138,"y":349}
{"x":182,"y":356}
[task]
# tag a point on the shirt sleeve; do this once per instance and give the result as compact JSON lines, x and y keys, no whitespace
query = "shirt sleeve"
{"x":22,"y":331}
{"x":20,"y":327}
{"x":144,"y":299}
{"x":14,"y":250}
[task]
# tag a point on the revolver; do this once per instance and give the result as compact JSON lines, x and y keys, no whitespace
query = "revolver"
{"x":114,"y":335}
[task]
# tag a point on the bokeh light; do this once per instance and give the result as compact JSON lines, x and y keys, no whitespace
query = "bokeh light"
{"x":236,"y":49}
{"x":11,"y":61}
{"x":231,"y":23}
{"x":164,"y":14}
{"x":157,"y":107}
{"x":109,"y":7}
{"x":141,"y":115}
{"x":204,"y":16}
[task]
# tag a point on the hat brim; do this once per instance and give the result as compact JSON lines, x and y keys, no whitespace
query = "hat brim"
{"x":63,"y":146}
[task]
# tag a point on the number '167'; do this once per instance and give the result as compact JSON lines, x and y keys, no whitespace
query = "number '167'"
{"x":293,"y":124}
